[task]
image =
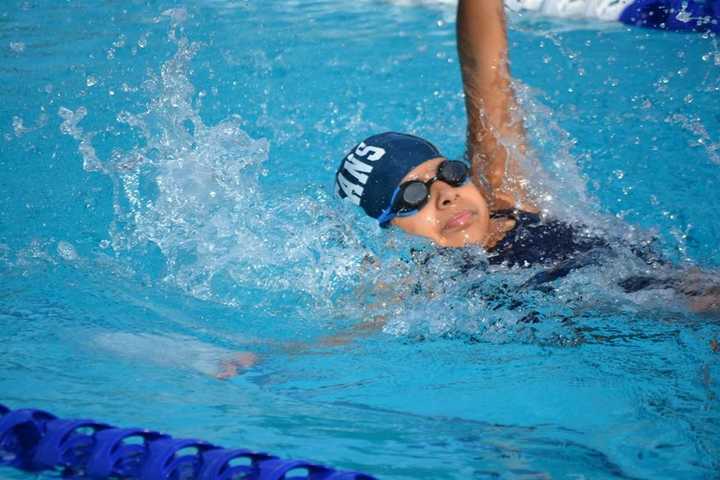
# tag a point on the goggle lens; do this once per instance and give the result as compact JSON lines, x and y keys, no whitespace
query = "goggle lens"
{"x":453,"y":173}
{"x":414,"y":196}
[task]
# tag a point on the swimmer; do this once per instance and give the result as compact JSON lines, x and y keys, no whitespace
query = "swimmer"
{"x":404,"y":182}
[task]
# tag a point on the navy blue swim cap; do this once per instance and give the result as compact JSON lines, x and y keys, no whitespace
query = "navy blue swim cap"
{"x":371,"y":172}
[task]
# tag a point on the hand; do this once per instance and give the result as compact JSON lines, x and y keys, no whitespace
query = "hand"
{"x":232,"y":366}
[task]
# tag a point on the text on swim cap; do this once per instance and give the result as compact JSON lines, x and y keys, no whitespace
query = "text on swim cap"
{"x":359,"y":169}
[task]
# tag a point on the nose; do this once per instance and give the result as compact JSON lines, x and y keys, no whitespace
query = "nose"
{"x":445,"y":195}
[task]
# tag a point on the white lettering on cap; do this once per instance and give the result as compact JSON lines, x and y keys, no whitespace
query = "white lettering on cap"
{"x":359,"y":170}
{"x":376,"y":153}
{"x":352,"y":191}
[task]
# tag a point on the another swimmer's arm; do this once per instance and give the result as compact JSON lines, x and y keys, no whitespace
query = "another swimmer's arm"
{"x":496,"y":139}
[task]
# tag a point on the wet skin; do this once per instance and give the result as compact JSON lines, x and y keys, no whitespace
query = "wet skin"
{"x":453,"y":216}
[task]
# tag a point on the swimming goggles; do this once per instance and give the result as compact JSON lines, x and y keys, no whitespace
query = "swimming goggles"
{"x":411,"y":196}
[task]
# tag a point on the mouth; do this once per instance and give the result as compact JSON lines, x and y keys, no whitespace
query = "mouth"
{"x":459,"y":221}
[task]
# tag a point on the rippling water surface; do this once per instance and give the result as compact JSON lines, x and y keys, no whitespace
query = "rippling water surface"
{"x":166,"y":201}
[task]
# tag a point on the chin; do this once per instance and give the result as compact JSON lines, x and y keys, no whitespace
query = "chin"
{"x":462,"y":239}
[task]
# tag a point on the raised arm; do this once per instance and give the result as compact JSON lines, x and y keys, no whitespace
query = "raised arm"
{"x":496,"y":138}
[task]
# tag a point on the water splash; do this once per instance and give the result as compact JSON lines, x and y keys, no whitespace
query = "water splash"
{"x":193,"y":190}
{"x":702,"y":137}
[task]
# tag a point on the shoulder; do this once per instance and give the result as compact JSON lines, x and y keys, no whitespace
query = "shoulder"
{"x":502,"y":201}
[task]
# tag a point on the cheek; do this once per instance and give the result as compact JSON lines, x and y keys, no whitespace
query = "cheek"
{"x":423,"y":224}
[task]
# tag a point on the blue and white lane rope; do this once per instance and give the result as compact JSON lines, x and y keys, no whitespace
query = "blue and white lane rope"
{"x":675,"y":15}
{"x":35,"y":440}
{"x":672,"y":15}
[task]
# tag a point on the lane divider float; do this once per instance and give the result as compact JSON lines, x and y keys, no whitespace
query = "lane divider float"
{"x":35,"y":440}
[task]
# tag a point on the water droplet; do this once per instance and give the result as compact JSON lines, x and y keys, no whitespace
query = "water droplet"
{"x":683,"y":16}
{"x":18,"y":126}
{"x":104,"y":244}
{"x":66,"y":250}
{"x":17,"y":47}
{"x":619,"y":174}
{"x":91,"y":81}
{"x":120,"y":42}
{"x":688,"y":99}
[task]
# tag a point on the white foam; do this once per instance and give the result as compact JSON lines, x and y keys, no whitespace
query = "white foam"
{"x":598,"y":9}
{"x":192,"y":190}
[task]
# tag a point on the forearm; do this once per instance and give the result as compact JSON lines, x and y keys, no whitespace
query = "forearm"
{"x":490,"y":103}
{"x":482,"y":40}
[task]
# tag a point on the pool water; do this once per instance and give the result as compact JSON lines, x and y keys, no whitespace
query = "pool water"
{"x":167,"y":201}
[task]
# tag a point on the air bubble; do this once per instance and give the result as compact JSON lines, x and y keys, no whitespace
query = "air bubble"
{"x":120,"y":42}
{"x":91,"y":81}
{"x":66,"y":250}
{"x":18,"y":126}
{"x":683,"y":16}
{"x":17,"y":47}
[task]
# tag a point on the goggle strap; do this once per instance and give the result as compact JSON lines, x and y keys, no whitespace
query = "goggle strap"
{"x":387,"y":215}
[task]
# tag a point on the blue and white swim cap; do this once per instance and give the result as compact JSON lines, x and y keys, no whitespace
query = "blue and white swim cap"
{"x":371,"y":172}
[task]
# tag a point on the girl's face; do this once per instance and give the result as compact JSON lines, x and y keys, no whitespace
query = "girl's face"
{"x":453,"y":216}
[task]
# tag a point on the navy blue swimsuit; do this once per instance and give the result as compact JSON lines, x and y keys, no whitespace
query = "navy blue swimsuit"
{"x":533,"y":241}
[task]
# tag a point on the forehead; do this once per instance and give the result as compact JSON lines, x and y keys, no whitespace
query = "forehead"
{"x":424,"y":171}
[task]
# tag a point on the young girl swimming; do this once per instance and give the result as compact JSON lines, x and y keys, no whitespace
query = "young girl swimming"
{"x":404,"y":181}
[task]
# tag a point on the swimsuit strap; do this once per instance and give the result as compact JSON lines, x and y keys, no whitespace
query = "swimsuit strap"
{"x":520,"y":216}
{"x":506,"y":213}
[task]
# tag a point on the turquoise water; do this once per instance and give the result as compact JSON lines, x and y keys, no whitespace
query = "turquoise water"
{"x":167,"y":201}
